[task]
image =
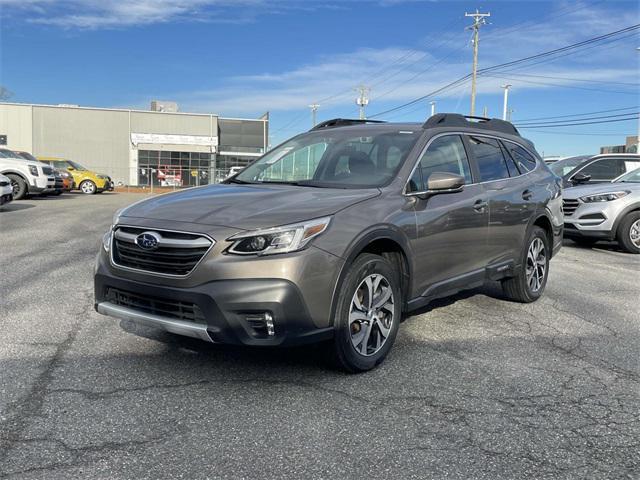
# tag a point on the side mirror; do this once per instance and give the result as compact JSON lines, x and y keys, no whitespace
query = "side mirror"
{"x":440,"y":182}
{"x":70,"y":168}
{"x":580,"y":178}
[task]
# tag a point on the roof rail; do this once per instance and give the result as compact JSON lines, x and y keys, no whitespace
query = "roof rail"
{"x":342,"y":122}
{"x":457,"y":120}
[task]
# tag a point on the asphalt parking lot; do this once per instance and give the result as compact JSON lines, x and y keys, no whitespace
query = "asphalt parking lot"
{"x":475,"y":387}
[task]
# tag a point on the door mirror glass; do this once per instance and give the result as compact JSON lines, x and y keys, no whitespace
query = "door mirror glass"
{"x":579,"y":178}
{"x":443,"y":182}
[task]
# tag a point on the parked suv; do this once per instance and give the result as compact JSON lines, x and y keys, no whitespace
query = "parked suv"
{"x":337,"y":233}
{"x":608,"y":211}
{"x":586,"y":169}
{"x":64,"y":180}
{"x":26,"y":177}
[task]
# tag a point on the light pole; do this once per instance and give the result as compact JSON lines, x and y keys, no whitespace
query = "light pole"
{"x":506,"y":101}
{"x":433,"y":108}
{"x":363,"y":100}
{"x":314,"y":111}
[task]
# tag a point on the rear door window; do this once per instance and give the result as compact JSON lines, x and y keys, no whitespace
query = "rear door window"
{"x":489,"y":158}
{"x":526,"y":162}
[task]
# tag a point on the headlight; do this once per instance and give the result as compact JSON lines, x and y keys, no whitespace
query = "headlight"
{"x":34,"y":170}
{"x":106,"y":241}
{"x":604,"y":197}
{"x":288,"y":238}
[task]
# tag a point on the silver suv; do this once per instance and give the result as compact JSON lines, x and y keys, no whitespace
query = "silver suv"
{"x":605,"y":211}
{"x":337,"y":233}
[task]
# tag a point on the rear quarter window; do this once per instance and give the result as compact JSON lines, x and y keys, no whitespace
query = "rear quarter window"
{"x":525,"y":161}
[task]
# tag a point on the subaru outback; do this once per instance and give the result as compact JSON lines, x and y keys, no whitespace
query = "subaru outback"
{"x":336,"y":234}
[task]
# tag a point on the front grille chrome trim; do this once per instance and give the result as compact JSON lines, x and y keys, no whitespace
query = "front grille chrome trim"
{"x":178,"y":327}
{"x":116,"y":265}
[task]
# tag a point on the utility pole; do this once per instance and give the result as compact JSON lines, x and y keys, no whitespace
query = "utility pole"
{"x":363,"y":100}
{"x":638,"y":139}
{"x":433,"y":108}
{"x":478,"y":21}
{"x":506,"y":100}
{"x":485,"y":112}
{"x":314,"y":111}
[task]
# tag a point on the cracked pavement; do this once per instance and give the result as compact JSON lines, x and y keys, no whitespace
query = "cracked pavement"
{"x":475,"y":387}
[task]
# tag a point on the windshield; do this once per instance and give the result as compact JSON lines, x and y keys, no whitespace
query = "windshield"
{"x":631,"y":177}
{"x":562,"y":167}
{"x":27,"y":156}
{"x":75,"y":165}
{"x":341,"y":158}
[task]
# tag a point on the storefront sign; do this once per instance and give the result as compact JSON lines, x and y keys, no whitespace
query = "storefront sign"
{"x":158,"y":138}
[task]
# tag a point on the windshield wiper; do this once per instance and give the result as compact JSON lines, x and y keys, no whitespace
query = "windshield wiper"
{"x":301,"y":183}
{"x":236,"y":180}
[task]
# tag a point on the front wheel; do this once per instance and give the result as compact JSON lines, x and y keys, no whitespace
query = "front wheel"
{"x":19,"y":187}
{"x":367,"y":314}
{"x":629,"y":232}
{"x":530,"y":281}
{"x":88,"y":187}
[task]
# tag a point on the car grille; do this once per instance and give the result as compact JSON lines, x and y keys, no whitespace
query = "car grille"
{"x":569,"y":206}
{"x":47,"y":170}
{"x":188,"y":312}
{"x":176,"y":254}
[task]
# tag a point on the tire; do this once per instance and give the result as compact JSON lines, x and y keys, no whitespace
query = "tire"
{"x":359,"y":343}
{"x":88,"y":187}
{"x":20,"y":188}
{"x":529,"y":283}
{"x":629,"y":232}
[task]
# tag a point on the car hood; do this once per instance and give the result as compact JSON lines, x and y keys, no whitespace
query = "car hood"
{"x":247,"y":207}
{"x":582,"y":190}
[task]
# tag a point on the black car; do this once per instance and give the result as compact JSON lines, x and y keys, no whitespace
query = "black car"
{"x":602,"y":168}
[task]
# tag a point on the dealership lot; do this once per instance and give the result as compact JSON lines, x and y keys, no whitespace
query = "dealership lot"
{"x":475,"y":387}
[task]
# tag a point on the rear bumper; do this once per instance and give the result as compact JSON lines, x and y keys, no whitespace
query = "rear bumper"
{"x":227,"y":307}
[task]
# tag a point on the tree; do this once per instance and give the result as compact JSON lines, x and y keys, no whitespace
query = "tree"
{"x":5,"y":93}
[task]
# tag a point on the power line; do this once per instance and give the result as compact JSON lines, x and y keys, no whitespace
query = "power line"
{"x":559,"y":85}
{"x":579,"y":119}
{"x":636,"y":117}
{"x":579,"y":114}
{"x":604,"y":82}
{"x":513,"y":62}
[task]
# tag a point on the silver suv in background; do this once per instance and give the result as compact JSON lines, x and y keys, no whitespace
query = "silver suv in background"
{"x":335,"y":234}
{"x":605,"y":211}
{"x":588,"y":169}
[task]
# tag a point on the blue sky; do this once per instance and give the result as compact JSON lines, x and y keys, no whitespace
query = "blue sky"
{"x":244,"y":57}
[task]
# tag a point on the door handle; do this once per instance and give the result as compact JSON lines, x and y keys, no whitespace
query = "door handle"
{"x":480,"y":205}
{"x":527,"y":195}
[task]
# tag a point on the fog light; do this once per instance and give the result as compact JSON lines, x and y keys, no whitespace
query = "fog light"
{"x":268,"y":319}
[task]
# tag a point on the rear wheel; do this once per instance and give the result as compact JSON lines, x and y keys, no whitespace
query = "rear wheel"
{"x":529,"y":283}
{"x":19,"y":186}
{"x":88,"y":187}
{"x":629,"y":232}
{"x":367,"y":314}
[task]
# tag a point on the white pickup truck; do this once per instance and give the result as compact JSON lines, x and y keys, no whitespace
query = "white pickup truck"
{"x":27,"y":178}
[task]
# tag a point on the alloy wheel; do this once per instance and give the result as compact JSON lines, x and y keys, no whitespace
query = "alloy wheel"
{"x":371,"y":315}
{"x":87,"y":187}
{"x":15,"y":186}
{"x":634,"y":233}
{"x":536,"y":267}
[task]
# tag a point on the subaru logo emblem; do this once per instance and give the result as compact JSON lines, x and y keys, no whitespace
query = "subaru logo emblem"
{"x":147,"y":241}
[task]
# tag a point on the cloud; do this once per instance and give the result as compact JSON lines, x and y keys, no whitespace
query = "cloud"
{"x":397,"y":74}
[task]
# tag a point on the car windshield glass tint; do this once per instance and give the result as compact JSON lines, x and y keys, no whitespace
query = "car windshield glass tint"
{"x":631,"y":177}
{"x":562,"y":167}
{"x":75,"y":165}
{"x":343,"y":158}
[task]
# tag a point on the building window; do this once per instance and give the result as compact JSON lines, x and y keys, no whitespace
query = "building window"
{"x":173,"y":169}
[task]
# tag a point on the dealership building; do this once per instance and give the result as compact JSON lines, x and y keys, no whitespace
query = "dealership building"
{"x":160,"y":146}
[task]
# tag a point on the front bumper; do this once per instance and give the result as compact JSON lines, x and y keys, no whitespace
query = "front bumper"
{"x":593,"y":220}
{"x":107,"y":187}
{"x":6,"y":198}
{"x":228,"y":307}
